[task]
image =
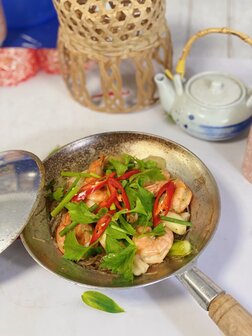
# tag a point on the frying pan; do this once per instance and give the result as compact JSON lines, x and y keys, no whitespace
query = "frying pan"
{"x":227,"y":313}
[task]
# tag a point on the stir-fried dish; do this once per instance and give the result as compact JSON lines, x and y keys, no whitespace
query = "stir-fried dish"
{"x":121,"y":215}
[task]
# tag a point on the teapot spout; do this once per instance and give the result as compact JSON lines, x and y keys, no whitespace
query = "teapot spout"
{"x":166,"y":91}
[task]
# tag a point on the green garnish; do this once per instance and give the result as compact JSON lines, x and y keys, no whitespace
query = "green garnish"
{"x":100,"y":301}
{"x":148,"y":176}
{"x":175,"y":220}
{"x":75,"y":174}
{"x":112,"y":245}
{"x":74,"y":189}
{"x":119,"y":166}
{"x":68,"y":228}
{"x":58,"y":194}
{"x":80,"y":212}
{"x":73,"y":250}
{"x":159,"y":230}
{"x":120,"y":263}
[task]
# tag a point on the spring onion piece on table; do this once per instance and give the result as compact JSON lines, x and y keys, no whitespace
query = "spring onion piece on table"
{"x":100,"y":301}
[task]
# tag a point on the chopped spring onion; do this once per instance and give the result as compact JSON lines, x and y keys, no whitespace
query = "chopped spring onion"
{"x":74,"y":174}
{"x":175,"y":220}
{"x":68,"y":228}
{"x":74,"y":189}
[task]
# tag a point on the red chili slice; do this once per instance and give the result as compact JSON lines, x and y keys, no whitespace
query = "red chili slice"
{"x":118,"y":186}
{"x":109,"y":201}
{"x":128,"y":174}
{"x":162,"y":205}
{"x":88,"y":189}
{"x":101,"y":226}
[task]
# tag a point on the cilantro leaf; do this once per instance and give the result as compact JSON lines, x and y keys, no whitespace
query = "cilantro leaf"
{"x":159,"y":230}
{"x":73,"y":250}
{"x":135,"y":200}
{"x":146,"y":197}
{"x":148,"y":176}
{"x":80,"y":213}
{"x":148,"y":164}
{"x":139,"y":208}
{"x":120,"y":167}
{"x":112,"y":245}
{"x":132,"y":195}
{"x":58,"y":194}
{"x":116,"y":232}
{"x":126,"y":226}
{"x":121,"y":263}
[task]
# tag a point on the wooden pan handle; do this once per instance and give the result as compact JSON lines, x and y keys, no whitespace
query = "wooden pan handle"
{"x":230,"y":316}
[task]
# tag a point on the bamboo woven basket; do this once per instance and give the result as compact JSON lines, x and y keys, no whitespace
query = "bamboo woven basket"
{"x":110,"y":51}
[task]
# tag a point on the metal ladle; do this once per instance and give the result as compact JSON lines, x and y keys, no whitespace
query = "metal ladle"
{"x":21,"y":181}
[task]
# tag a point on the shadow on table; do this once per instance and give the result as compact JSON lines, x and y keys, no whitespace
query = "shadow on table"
{"x":14,"y":261}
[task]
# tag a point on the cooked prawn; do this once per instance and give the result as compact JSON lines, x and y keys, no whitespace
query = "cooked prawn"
{"x":181,"y":198}
{"x":97,"y":196}
{"x":83,"y":232}
{"x":154,"y":187}
{"x":139,"y":266}
{"x":153,"y":250}
{"x":96,"y":167}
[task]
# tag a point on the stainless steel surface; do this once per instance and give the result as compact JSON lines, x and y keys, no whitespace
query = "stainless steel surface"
{"x":21,"y":180}
{"x":205,"y":207}
{"x":203,"y":289}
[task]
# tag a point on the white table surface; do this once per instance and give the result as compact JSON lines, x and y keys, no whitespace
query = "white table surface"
{"x":40,"y":114}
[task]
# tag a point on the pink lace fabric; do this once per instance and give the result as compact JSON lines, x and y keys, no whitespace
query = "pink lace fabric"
{"x":247,"y":161}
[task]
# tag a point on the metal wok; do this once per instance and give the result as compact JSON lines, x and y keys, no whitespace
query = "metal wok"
{"x":205,"y":210}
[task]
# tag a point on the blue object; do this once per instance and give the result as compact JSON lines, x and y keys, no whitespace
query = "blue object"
{"x":27,"y":13}
{"x":30,"y":24}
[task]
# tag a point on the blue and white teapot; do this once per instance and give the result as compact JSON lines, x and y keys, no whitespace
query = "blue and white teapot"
{"x":210,"y":105}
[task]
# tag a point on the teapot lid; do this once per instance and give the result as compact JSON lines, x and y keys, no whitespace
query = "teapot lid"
{"x":215,"y":89}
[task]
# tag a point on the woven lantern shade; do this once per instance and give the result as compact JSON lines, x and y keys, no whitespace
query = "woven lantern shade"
{"x":110,"y":51}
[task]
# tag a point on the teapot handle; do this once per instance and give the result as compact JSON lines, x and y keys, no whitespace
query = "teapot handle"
{"x":180,"y":68}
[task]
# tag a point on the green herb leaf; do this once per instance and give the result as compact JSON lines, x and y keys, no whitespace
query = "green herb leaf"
{"x":100,"y":301}
{"x":120,"y":167}
{"x":139,"y":208}
{"x":146,"y":197}
{"x":159,"y":230}
{"x":73,"y":250}
{"x":58,"y":194}
{"x":121,"y":263}
{"x":127,"y":226}
{"x":80,"y":213}
{"x":112,"y":245}
{"x":148,"y":176}
{"x":118,"y":233}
